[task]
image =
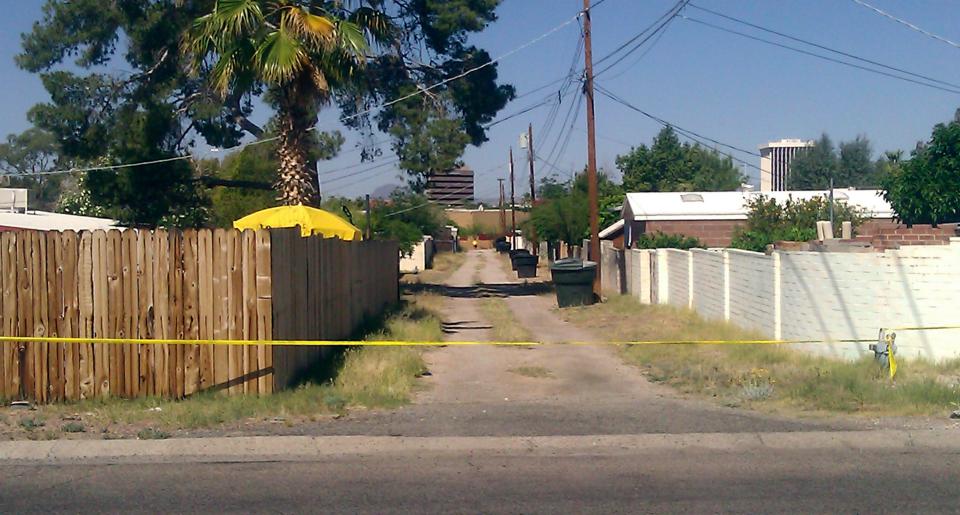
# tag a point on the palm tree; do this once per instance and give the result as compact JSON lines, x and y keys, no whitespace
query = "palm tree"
{"x":300,"y":52}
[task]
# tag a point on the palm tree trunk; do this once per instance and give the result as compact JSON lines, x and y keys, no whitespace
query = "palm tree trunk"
{"x":296,"y":180}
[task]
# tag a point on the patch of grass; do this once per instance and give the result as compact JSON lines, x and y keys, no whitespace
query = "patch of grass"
{"x":444,"y":264}
{"x":766,"y":376}
{"x":31,"y":423}
{"x":151,"y":433}
{"x":532,"y":371}
{"x":504,"y":326}
{"x":73,"y":427}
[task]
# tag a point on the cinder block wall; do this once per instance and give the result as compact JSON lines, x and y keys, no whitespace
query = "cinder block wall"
{"x":816,"y":295}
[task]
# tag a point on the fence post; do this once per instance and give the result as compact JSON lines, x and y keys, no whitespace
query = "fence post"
{"x":726,"y":285}
{"x":690,"y":279}
{"x":777,"y":296}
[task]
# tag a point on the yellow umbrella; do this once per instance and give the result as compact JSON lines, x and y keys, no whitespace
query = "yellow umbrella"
{"x":310,"y":220}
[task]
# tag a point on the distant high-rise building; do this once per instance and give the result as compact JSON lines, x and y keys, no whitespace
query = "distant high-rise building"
{"x":452,"y":188}
{"x":775,"y":158}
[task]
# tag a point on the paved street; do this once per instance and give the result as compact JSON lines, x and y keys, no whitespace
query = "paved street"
{"x":674,"y":481}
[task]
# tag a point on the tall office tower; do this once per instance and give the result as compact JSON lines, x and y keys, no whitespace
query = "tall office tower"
{"x":775,"y":158}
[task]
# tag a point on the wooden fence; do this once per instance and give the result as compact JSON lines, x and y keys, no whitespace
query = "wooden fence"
{"x":194,"y":284}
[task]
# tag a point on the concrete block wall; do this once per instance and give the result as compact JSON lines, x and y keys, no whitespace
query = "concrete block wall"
{"x":709,"y":287}
{"x":753,"y":295}
{"x":679,"y":266}
{"x":815,"y":295}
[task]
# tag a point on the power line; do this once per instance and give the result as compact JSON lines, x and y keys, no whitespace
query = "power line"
{"x":683,"y":132}
{"x":664,"y":18}
{"x":823,"y":47}
{"x":616,"y":98}
{"x":813,"y":54}
{"x":907,"y":23}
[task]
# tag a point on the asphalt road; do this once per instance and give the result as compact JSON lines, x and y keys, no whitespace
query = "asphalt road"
{"x":687,"y":481}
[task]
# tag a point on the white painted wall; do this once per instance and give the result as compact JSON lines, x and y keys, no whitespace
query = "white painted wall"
{"x":816,"y":295}
{"x":419,"y":259}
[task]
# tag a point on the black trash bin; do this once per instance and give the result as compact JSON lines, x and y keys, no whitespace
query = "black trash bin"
{"x":501,"y":244}
{"x":526,"y":265}
{"x":513,"y":255}
{"x":573,"y":280}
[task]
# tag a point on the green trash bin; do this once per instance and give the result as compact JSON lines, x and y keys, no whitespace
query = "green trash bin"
{"x":573,"y":280}
{"x":526,"y":265}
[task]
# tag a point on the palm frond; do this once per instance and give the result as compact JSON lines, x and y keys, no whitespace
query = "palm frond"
{"x":313,"y":28}
{"x":375,"y":22}
{"x":280,"y":56}
{"x":238,"y":16}
{"x":352,"y":39}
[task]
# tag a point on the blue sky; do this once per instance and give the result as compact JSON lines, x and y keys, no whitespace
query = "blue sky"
{"x":734,"y":90}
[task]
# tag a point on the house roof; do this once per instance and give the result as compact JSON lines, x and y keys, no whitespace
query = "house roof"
{"x":45,"y":221}
{"x":612,"y":230}
{"x":732,"y":205}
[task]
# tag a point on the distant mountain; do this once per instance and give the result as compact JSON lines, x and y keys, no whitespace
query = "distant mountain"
{"x":383,"y":192}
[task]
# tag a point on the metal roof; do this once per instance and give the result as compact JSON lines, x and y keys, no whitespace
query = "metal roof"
{"x":732,"y":205}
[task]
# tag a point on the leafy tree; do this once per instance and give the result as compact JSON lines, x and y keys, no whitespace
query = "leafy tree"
{"x":925,"y":188}
{"x":415,"y":43}
{"x":794,"y":220}
{"x":564,"y":214}
{"x":850,"y":164}
{"x":25,"y":157}
{"x":101,"y":119}
{"x":669,"y":165}
{"x":406,"y":218}
{"x":427,"y":142}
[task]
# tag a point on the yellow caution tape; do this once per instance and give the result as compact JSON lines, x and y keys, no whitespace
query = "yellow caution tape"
{"x":390,"y":343}
{"x":930,"y":328}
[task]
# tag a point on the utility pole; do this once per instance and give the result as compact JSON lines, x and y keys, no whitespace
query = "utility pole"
{"x":367,"y":235}
{"x":503,"y":210}
{"x":591,"y":147}
{"x":533,"y":182}
{"x":513,"y":207}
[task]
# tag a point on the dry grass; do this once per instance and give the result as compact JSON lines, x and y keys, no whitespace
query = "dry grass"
{"x":444,"y":264}
{"x":766,"y":376}
{"x":504,"y":326}
{"x":362,"y":377}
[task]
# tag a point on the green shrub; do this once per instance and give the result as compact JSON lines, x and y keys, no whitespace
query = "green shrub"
{"x":795,"y":220}
{"x":660,"y":240}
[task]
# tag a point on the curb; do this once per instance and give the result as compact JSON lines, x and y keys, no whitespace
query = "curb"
{"x":313,"y":448}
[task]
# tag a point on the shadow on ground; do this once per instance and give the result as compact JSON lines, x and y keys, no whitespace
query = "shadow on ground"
{"x":483,"y":290}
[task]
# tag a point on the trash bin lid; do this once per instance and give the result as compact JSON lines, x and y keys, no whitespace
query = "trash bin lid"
{"x":572,"y":264}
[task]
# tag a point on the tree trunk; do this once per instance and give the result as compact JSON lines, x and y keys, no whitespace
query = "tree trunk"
{"x":296,"y":181}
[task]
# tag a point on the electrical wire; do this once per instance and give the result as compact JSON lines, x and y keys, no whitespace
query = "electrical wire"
{"x":907,"y":23}
{"x":613,"y":96}
{"x":824,"y":47}
{"x":684,"y":132}
{"x":819,"y":56}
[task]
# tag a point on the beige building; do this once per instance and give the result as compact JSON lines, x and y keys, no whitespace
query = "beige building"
{"x":775,"y":158}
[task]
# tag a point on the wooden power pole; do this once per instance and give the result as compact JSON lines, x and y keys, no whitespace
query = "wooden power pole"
{"x":503,"y":210}
{"x":533,"y":181}
{"x":513,"y":207}
{"x":591,"y":147}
